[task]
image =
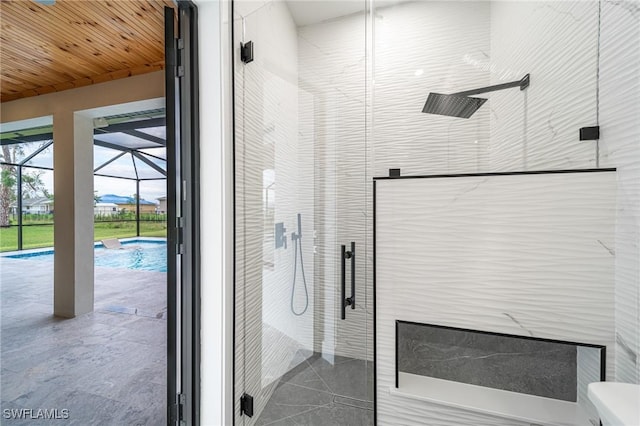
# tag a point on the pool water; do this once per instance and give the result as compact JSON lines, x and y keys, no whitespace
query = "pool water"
{"x":142,"y":255}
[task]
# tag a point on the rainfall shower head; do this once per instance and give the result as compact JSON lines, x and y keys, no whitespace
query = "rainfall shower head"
{"x":461,"y":104}
{"x":452,"y":105}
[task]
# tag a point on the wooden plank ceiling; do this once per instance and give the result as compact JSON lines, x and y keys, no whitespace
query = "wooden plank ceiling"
{"x":71,"y":43}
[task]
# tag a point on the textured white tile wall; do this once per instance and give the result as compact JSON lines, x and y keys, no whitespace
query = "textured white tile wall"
{"x":332,"y":60}
{"x":520,"y":254}
{"x":556,"y":43}
{"x":442,"y":46}
{"x":620,"y":147}
{"x":422,"y":47}
{"x":332,"y":66}
{"x":274,"y":182}
{"x":304,"y":132}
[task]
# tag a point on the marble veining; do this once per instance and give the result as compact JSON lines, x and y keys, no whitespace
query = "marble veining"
{"x":512,"y":318}
{"x":551,"y":7}
{"x":527,"y":366}
{"x":630,"y":6}
{"x":472,"y":188}
{"x":633,"y":356}
{"x":611,"y":251}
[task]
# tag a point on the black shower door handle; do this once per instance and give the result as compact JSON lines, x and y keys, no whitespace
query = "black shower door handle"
{"x":347,"y":301}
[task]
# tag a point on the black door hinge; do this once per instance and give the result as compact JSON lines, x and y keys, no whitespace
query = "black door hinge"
{"x":246,"y":405}
{"x":180,"y":235}
{"x":246,"y":52}
{"x":179,"y":48}
{"x":176,"y":414}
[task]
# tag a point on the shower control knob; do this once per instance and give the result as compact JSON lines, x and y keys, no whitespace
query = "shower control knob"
{"x":347,"y":255}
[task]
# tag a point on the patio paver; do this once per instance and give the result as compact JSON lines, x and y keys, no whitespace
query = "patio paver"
{"x":105,"y":367}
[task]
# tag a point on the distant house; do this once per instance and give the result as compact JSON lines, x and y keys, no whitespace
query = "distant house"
{"x":36,"y":205}
{"x":128,"y":204}
{"x":162,"y":206}
{"x":105,"y":209}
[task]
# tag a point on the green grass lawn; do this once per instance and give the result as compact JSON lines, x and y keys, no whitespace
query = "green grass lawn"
{"x":42,"y":235}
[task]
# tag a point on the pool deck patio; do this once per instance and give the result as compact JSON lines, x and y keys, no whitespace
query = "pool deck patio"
{"x":106,"y":367}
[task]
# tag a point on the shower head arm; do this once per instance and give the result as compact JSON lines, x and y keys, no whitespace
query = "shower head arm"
{"x":522,"y":84}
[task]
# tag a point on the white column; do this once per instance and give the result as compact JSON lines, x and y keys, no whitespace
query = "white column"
{"x":216,"y":232}
{"x":73,"y":286}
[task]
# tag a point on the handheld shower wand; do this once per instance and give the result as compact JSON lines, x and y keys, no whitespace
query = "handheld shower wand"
{"x":296,"y":239}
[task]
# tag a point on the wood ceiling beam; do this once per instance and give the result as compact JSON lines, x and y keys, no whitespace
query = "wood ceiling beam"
{"x":114,"y":75}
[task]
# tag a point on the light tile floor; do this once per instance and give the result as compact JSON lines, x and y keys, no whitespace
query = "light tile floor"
{"x":107,"y":367}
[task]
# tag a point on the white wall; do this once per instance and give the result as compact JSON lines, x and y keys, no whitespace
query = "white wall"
{"x":216,"y":174}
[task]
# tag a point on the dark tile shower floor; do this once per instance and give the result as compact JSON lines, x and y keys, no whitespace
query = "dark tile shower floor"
{"x":323,"y":392}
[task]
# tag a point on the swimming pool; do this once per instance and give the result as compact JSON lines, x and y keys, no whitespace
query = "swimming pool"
{"x":145,"y":255}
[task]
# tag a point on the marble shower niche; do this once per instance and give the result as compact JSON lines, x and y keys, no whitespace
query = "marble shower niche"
{"x":541,"y":367}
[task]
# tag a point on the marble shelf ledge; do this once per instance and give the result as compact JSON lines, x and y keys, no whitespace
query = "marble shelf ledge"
{"x":495,"y":402}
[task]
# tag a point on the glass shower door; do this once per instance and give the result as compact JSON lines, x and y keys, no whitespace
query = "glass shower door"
{"x":303,"y":352}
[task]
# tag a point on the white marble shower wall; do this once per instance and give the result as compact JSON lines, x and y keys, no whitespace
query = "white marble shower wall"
{"x":577,"y":82}
{"x":584,"y":62}
{"x":446,"y":47}
{"x":515,"y":254}
{"x":556,"y":42}
{"x":344,"y":99}
{"x":335,"y":62}
{"x":620,"y":147}
{"x":274,"y":183}
{"x":422,"y":47}
{"x":332,"y":60}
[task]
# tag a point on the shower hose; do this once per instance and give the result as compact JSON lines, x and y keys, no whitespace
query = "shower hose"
{"x":298,"y":241}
